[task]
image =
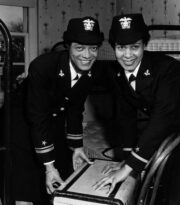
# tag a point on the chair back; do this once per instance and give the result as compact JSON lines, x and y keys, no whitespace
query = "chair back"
{"x":154,"y":170}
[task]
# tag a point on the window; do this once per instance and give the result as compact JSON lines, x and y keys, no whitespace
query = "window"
{"x":21,"y":19}
{"x":12,"y":16}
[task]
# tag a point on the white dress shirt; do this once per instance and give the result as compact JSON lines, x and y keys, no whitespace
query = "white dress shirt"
{"x":127,"y":73}
{"x":74,"y":75}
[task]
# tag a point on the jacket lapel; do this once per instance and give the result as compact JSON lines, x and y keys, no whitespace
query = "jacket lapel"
{"x":144,"y":76}
{"x":82,"y":87}
{"x":143,"y":83}
{"x":63,"y":73}
{"x":127,"y":87}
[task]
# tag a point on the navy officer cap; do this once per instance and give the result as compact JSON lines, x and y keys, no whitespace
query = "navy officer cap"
{"x":127,"y":29}
{"x":84,"y":31}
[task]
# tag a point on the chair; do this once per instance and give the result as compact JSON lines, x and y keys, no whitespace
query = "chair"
{"x":154,"y":170}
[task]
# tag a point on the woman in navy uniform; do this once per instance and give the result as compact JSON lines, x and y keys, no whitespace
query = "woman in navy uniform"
{"x":57,"y":86}
{"x":147,"y":89}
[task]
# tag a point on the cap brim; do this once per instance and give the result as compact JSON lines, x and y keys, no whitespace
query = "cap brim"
{"x":128,"y":38}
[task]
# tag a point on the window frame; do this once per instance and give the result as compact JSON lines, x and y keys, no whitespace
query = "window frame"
{"x":21,"y":3}
{"x":30,"y":27}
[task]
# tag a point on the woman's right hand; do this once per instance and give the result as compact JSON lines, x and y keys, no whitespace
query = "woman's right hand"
{"x":53,"y":179}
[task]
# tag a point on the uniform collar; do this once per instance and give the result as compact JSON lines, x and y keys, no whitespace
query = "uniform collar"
{"x":73,"y":71}
{"x":127,"y":73}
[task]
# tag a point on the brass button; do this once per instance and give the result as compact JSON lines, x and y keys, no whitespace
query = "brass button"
{"x":62,"y":109}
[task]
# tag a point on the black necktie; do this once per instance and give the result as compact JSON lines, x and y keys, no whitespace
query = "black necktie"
{"x":132,"y":78}
{"x":76,"y":78}
{"x":132,"y":82}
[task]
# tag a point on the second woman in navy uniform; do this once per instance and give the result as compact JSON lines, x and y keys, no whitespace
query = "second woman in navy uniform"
{"x":148,"y":108}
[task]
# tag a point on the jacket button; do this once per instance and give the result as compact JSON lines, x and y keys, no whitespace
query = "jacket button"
{"x":62,"y":109}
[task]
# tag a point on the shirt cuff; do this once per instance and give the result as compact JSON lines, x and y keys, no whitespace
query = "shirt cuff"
{"x":45,"y":155}
{"x":47,"y":163}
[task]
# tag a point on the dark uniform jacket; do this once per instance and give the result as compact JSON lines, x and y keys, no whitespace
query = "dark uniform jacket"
{"x":50,"y":98}
{"x":152,"y":112}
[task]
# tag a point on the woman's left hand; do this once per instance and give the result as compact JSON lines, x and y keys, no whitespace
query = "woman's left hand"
{"x":113,"y":178}
{"x":111,"y":167}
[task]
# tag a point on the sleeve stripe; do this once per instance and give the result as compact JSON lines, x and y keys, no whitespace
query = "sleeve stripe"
{"x":44,"y":149}
{"x":128,"y":149}
{"x":139,"y":158}
{"x":74,"y":137}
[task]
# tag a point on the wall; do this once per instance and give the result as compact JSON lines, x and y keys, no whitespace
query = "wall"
{"x":54,"y":15}
{"x":154,"y":12}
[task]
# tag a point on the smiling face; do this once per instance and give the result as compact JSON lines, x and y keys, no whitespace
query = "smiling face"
{"x":129,"y":56}
{"x":83,"y":56}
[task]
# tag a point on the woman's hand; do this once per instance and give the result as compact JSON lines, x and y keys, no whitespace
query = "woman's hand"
{"x":53,"y":179}
{"x":79,"y":157}
{"x":112,"y":178}
{"x":112,"y":166}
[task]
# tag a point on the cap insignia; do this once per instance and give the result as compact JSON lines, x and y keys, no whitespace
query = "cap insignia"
{"x":125,"y":22}
{"x":88,"y":24}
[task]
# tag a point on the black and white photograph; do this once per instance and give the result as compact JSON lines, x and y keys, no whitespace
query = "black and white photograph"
{"x":89,"y":102}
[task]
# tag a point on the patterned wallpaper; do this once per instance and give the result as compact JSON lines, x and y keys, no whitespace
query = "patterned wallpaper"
{"x":166,"y":12}
{"x":54,"y":15}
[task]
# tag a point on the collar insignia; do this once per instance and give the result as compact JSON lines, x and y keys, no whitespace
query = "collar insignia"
{"x":147,"y":73}
{"x":125,"y":23}
{"x":89,"y":74}
{"x":61,"y":73}
{"x":88,"y":25}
